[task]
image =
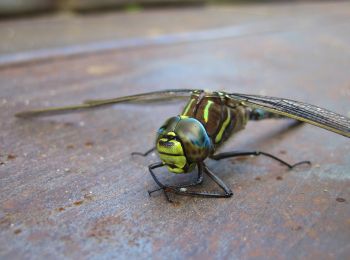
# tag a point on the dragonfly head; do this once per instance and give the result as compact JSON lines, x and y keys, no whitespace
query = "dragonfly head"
{"x":181,"y":143}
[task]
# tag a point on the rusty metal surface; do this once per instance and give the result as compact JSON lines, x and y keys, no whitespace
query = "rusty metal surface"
{"x":69,"y":187}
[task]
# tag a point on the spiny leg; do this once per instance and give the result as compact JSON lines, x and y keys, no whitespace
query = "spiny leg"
{"x":255,"y":153}
{"x":179,"y":189}
{"x":195,"y":183}
{"x":161,"y":185}
{"x":166,"y":188}
{"x":144,"y":154}
{"x":227,"y":191}
{"x":218,"y":181}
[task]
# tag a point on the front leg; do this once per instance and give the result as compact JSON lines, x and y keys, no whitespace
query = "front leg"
{"x":227,"y":191}
{"x":173,"y":189}
{"x":181,"y":189}
{"x":145,"y":153}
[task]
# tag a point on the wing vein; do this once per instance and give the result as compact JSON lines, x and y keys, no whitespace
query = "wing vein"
{"x":298,"y":110}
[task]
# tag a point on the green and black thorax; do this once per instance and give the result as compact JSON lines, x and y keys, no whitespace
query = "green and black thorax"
{"x":220,"y":116}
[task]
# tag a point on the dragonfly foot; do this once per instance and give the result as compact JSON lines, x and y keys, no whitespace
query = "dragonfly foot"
{"x":165,"y":190}
{"x":151,"y":191}
{"x":300,"y":163}
{"x":143,"y":154}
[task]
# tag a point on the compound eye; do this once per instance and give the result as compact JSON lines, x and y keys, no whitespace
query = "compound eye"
{"x":194,"y":138}
{"x":168,"y":126}
{"x":161,"y":130}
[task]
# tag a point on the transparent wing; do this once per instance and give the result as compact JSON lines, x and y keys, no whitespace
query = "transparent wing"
{"x":156,"y":96}
{"x":298,"y":110}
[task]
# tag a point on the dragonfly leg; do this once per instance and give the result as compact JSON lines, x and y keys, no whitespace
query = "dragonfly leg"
{"x":161,"y":185}
{"x":255,"y":153}
{"x":173,"y":189}
{"x":181,"y":189}
{"x":202,"y":167}
{"x":195,"y":183}
{"x":144,"y":154}
{"x":219,"y":182}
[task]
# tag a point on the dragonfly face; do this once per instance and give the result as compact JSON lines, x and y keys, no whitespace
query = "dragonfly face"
{"x":181,"y":142}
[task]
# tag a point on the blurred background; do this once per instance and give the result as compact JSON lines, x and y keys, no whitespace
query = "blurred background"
{"x":32,"y":25}
{"x":9,"y":8}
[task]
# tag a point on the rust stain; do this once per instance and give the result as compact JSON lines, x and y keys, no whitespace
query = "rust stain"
{"x":79,"y":202}
{"x":279,"y":178}
{"x":17,"y":231}
{"x":176,"y":204}
{"x":5,"y":222}
{"x":11,"y":157}
{"x":10,"y":204}
{"x":340,"y":199}
{"x":70,"y":146}
{"x":38,"y":236}
{"x":320,"y":201}
{"x":312,"y":233}
{"x":101,"y":229}
{"x":89,"y":143}
{"x":87,"y":197}
{"x":297,"y":228}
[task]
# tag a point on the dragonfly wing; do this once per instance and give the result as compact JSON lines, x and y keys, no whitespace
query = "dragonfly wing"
{"x":151,"y":97}
{"x":298,"y":110}
{"x":155,"y":96}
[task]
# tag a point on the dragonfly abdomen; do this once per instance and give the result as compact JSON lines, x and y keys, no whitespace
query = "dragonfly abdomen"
{"x":259,"y":114}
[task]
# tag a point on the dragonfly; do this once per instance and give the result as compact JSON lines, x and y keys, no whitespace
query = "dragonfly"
{"x":208,"y":120}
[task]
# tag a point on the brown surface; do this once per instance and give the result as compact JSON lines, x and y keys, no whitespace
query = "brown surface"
{"x":69,"y":187}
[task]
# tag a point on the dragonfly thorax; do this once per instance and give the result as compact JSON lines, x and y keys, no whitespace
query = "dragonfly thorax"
{"x":182,"y":142}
